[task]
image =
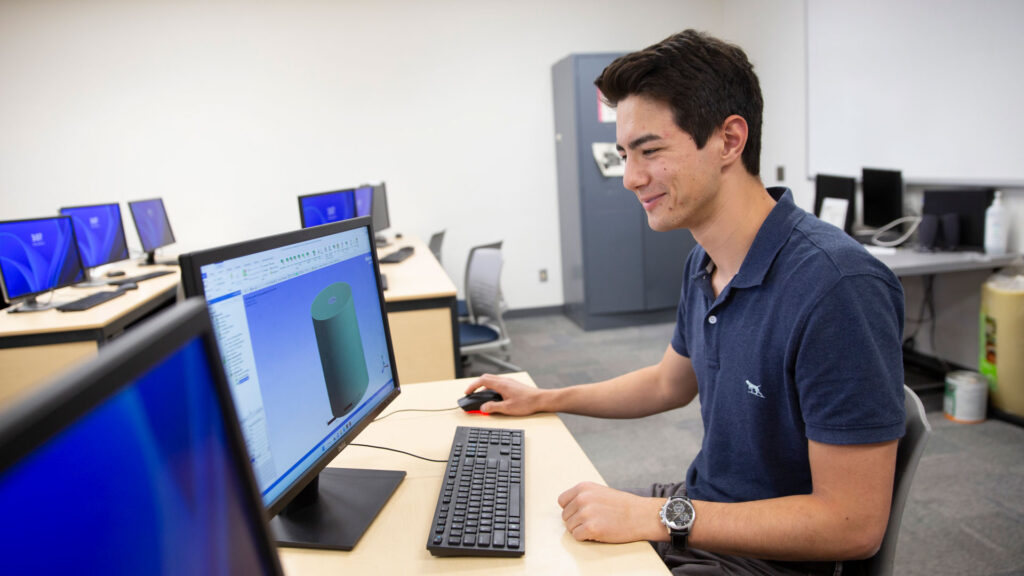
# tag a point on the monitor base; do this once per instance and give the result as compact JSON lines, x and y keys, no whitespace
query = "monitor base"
{"x":349,"y":500}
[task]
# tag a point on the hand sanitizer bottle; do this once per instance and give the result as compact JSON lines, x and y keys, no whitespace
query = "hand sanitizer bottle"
{"x":997,"y":227}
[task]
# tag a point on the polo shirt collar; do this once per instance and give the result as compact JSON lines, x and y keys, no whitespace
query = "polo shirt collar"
{"x":772,"y":236}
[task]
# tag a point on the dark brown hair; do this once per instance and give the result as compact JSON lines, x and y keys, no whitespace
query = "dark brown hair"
{"x":702,"y":79}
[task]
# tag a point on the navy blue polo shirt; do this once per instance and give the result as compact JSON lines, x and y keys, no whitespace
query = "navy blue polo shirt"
{"x":803,"y":343}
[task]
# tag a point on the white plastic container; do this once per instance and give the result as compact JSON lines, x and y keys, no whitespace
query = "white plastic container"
{"x":966,"y":399}
{"x":997,"y":226}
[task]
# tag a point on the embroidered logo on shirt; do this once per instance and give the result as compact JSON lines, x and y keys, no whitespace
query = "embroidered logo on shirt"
{"x":754,"y":389}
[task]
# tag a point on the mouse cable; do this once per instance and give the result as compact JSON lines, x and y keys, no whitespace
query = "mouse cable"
{"x":399,"y":451}
{"x":415,"y":410}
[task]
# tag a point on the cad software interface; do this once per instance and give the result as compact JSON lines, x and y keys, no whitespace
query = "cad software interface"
{"x":37,"y":255}
{"x":142,"y":484}
{"x":302,"y":335}
{"x":99,"y":233}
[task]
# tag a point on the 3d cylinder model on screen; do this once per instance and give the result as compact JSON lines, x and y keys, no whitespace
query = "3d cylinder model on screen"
{"x":341,"y":347}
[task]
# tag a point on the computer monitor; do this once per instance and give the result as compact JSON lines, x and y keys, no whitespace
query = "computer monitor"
{"x":836,"y":194}
{"x":882,"y":195}
{"x":36,"y":256}
{"x":364,"y":200}
{"x":301,"y":324}
{"x":381,"y":218}
{"x":134,"y":464}
{"x":153,"y":226}
{"x":324,"y":207}
{"x":100,"y":237}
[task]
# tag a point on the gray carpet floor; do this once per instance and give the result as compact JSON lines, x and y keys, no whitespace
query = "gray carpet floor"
{"x":965,"y":514}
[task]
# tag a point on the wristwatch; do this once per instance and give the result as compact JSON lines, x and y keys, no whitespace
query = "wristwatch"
{"x":677,"y":515}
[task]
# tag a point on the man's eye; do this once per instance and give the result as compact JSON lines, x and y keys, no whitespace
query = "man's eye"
{"x":650,"y":151}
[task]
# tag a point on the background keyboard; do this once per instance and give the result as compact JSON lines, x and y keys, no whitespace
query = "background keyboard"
{"x":398,"y":255}
{"x":94,"y":299}
{"x":139,"y":278}
{"x":480,"y":507}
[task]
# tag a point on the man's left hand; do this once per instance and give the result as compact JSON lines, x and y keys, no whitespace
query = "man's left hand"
{"x":594,"y":512}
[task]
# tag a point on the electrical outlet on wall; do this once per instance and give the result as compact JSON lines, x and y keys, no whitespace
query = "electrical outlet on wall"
{"x":543,"y":274}
{"x":780,"y":173}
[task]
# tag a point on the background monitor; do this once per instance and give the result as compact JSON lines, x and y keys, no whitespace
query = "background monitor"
{"x":882,"y":195}
{"x":134,"y":464}
{"x":36,"y":256}
{"x":100,"y":237}
{"x":301,"y":324}
{"x":841,"y":192}
{"x":324,"y":207}
{"x":381,"y":218}
{"x":364,"y":200}
{"x":153,"y":226}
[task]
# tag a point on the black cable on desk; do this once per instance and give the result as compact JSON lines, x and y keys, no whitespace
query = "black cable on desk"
{"x":397,"y":450}
{"x":416,"y":410}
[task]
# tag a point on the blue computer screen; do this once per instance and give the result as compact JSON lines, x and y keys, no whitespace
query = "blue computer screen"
{"x":38,"y":255}
{"x":99,"y":233}
{"x":301,"y":330}
{"x":152,"y":223}
{"x":329,"y":207}
{"x":364,"y":201}
{"x":144,"y":483}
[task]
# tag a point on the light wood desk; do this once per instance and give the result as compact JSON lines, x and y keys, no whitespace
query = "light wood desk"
{"x":422,"y":314}
{"x":35,"y":346}
{"x":396,"y":542}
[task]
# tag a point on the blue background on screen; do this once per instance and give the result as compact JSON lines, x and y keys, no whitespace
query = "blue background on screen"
{"x":142,"y":484}
{"x":364,"y":201}
{"x":99,"y":234}
{"x":152,"y":224}
{"x":287,"y":357}
{"x":37,"y":255}
{"x":330,"y":207}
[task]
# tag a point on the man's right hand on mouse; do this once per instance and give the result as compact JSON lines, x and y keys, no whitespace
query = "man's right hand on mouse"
{"x":518,"y":399}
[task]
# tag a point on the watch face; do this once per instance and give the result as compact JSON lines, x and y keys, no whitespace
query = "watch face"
{"x":678,"y":513}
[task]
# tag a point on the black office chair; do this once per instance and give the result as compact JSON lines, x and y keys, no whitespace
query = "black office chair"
{"x":486,"y":332}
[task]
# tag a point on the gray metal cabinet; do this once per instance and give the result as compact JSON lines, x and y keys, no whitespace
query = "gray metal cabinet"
{"x":616,"y":271}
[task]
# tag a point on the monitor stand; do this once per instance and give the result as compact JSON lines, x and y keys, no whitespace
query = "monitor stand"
{"x":91,"y":281}
{"x":381,"y":240}
{"x":152,"y":261}
{"x":30,"y":304}
{"x":335,"y":509}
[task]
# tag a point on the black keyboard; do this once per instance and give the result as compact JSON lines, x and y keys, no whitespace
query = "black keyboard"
{"x":89,"y":301}
{"x":480,"y":508}
{"x":398,"y":255}
{"x":139,"y":278}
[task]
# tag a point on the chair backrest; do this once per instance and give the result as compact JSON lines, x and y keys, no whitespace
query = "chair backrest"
{"x":465,"y":283}
{"x":483,"y":286}
{"x":908,"y":455}
{"x":436,"y":240}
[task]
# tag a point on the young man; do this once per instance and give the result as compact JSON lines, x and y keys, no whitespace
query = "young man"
{"x":787,"y":329}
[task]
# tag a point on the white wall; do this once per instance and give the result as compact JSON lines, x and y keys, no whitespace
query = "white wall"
{"x":230,"y":109}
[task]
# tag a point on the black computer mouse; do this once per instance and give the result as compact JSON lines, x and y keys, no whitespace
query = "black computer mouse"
{"x":128,"y":286}
{"x":473,"y":402}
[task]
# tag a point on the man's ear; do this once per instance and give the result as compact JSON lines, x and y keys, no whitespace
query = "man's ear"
{"x":734,"y":139}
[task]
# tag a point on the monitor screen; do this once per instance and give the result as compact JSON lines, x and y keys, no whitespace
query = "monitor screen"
{"x":882,"y":195}
{"x":37,"y":255}
{"x":381,"y":218}
{"x":317,"y":209}
{"x":364,"y":200}
{"x":301,"y":324}
{"x":152,"y":224}
{"x":134,"y":464}
{"x":99,"y":233}
{"x":836,"y":194}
